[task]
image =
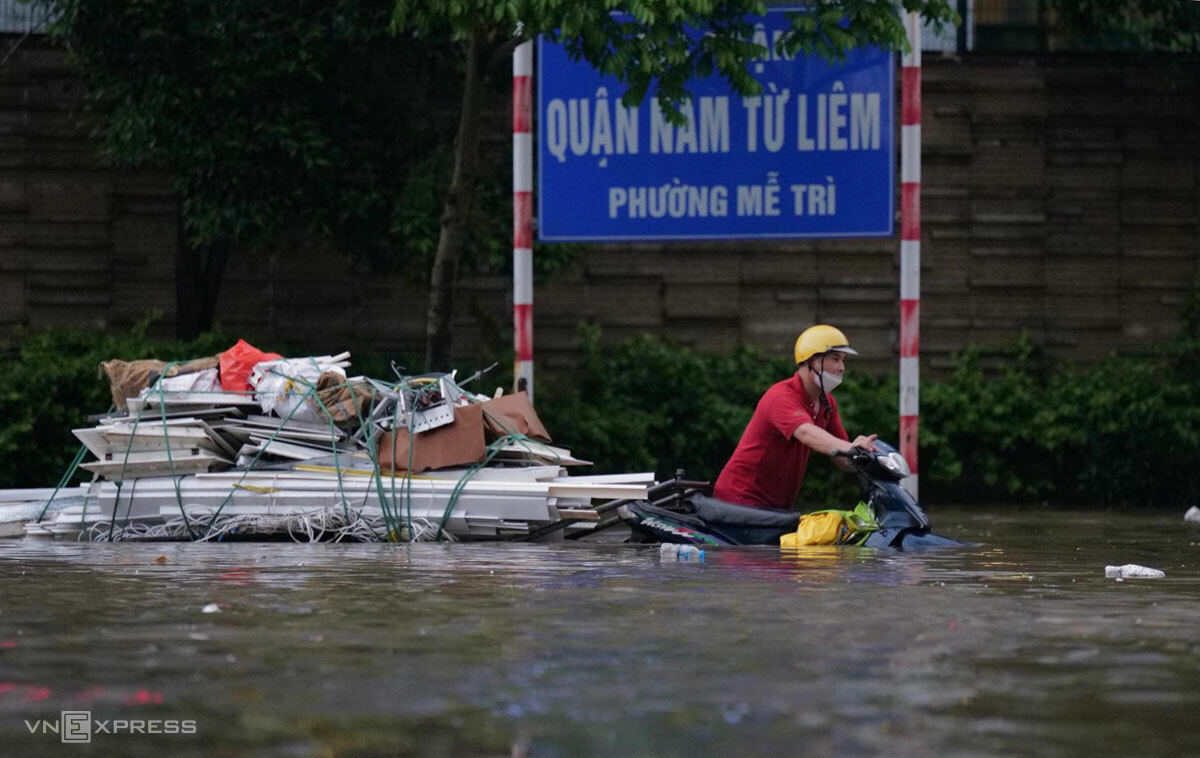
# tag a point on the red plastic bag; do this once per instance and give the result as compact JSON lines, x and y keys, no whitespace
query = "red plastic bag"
{"x":238,"y":361}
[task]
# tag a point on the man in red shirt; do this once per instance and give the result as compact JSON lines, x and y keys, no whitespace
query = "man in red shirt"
{"x":793,"y":417}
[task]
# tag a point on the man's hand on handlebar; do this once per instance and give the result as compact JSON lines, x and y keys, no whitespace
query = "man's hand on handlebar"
{"x":865,"y":442}
{"x":861,"y":444}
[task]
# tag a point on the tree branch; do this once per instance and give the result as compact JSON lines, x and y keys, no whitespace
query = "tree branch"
{"x":502,"y":50}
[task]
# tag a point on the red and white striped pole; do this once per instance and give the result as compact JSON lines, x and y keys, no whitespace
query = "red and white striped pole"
{"x":522,"y":97}
{"x":910,"y":247}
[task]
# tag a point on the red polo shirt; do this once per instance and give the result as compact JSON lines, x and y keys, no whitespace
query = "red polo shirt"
{"x":767,"y":468}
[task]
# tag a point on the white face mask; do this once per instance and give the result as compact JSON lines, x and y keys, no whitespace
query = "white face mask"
{"x":829,"y":382}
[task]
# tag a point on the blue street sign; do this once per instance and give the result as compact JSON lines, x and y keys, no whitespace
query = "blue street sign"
{"x":812,"y":156}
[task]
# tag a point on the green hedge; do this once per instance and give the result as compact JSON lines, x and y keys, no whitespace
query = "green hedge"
{"x":52,"y":385}
{"x":1124,"y":431}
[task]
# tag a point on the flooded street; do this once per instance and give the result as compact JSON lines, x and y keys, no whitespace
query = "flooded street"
{"x":1017,"y":646}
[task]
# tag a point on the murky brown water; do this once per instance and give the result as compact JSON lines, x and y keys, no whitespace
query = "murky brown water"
{"x":1018,"y":646}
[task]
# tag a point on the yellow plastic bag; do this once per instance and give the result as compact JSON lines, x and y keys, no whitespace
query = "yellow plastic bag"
{"x":823,"y":528}
{"x":832,"y":527}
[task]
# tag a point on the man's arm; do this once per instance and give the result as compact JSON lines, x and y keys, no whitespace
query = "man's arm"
{"x":824,"y":442}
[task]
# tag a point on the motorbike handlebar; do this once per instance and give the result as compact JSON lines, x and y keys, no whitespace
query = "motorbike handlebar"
{"x":854,"y":452}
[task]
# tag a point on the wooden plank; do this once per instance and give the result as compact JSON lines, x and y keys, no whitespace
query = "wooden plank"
{"x":1092,"y":275}
{"x":627,"y":302}
{"x":852,"y":315}
{"x":711,"y":336}
{"x":633,"y":261}
{"x":1161,"y":241}
{"x":1082,"y":312}
{"x":701,"y":266}
{"x":1158,"y":172}
{"x":1006,"y":308}
{"x":1138,"y":209}
{"x":943,"y":209}
{"x":1153,"y":274}
{"x":1008,"y":166}
{"x":702,"y":301}
{"x":1079,"y":243}
{"x":578,"y":514}
{"x":1008,"y":271}
{"x":1148,"y":316}
{"x":777,"y":267}
{"x":12,"y":299}
{"x":881,"y":292}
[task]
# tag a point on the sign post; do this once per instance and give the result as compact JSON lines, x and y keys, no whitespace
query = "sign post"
{"x":522,"y":218}
{"x":910,"y":249}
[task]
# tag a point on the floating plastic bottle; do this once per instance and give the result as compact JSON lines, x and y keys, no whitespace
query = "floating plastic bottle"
{"x":689,"y":553}
{"x":1132,"y":571}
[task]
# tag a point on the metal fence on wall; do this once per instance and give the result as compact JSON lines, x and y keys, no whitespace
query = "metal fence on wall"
{"x":22,"y":17}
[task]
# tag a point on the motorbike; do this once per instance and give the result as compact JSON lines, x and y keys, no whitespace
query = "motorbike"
{"x":688,"y":516}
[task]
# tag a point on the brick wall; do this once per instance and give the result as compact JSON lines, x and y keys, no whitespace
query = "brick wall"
{"x":1059,"y":198}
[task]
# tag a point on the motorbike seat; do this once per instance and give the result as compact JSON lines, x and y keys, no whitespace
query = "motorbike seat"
{"x":714,"y":511}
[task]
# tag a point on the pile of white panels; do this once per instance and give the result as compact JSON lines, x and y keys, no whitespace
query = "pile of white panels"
{"x":188,"y":460}
{"x":342,"y":503}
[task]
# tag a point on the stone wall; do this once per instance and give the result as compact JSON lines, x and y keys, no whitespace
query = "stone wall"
{"x":80,"y":245}
{"x":1059,"y":197}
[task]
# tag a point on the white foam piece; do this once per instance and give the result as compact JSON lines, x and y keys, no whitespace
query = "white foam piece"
{"x":155,"y":463}
{"x":646,"y":477}
{"x":1132,"y":571}
{"x":37,"y":494}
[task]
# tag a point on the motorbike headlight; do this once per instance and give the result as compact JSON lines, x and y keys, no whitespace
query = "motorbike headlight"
{"x":895,"y":463}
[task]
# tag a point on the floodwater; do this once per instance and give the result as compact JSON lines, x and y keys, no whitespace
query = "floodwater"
{"x":1015,"y":647}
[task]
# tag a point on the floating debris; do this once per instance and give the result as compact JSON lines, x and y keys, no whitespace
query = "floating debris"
{"x":222,"y":448}
{"x":1193,"y":515}
{"x":685,"y":553}
{"x":1132,"y":571}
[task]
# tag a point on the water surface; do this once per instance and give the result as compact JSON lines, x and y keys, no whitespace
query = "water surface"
{"x":1017,"y":646}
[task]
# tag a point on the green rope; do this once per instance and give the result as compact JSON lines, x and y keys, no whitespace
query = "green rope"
{"x":372,"y":453}
{"x":518,"y":437}
{"x":124,"y":465}
{"x":421,"y":394}
{"x":398,"y":522}
{"x":66,"y":477}
{"x":68,"y":474}
{"x":493,"y":450}
{"x":162,"y":407}
{"x":391,"y":511}
{"x":254,"y":462}
{"x":333,"y":432}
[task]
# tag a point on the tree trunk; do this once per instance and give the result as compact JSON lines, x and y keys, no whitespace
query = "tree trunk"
{"x":214,"y":271}
{"x":188,"y":266}
{"x":198,"y":273}
{"x":442,"y":280}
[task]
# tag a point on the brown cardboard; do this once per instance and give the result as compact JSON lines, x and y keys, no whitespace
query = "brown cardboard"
{"x":127,"y":378}
{"x":457,"y":444}
{"x":513,"y":413}
{"x":345,"y":401}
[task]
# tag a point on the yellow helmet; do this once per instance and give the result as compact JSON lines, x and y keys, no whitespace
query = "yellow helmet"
{"x":821,"y":338}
